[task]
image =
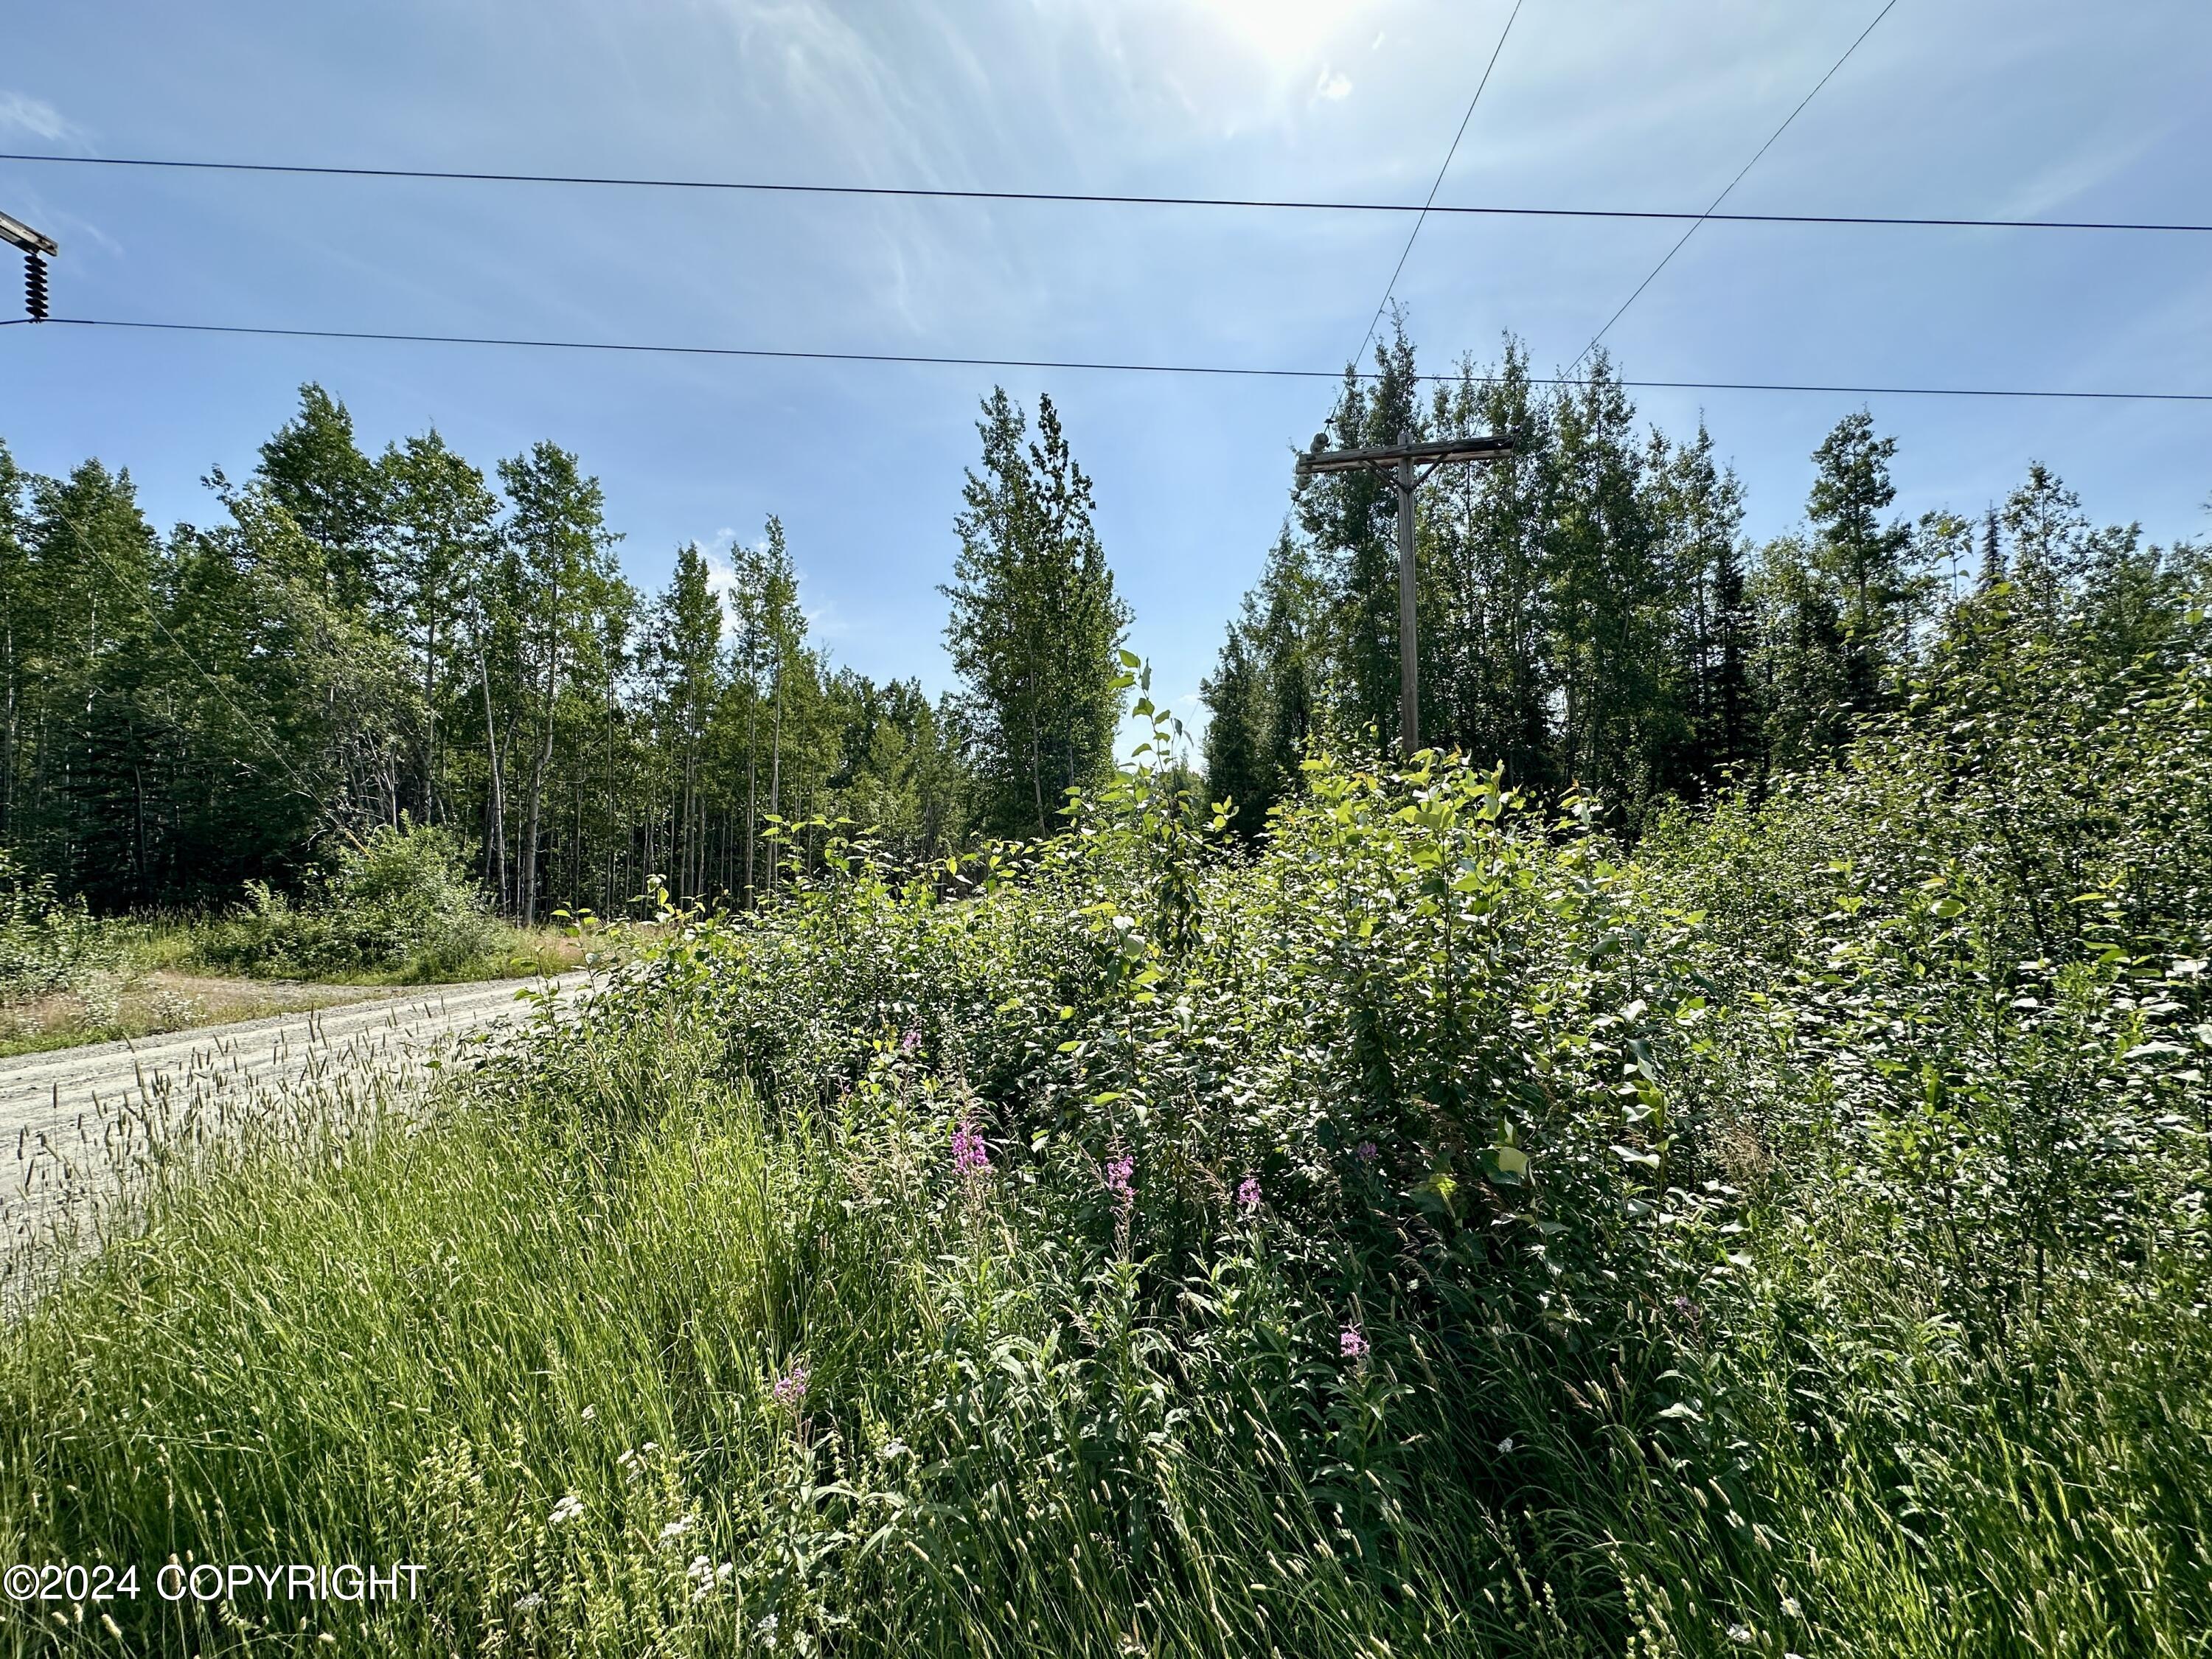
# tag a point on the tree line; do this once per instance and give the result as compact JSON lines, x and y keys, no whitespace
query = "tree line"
{"x":404,"y":638}
{"x":358,"y":640}
{"x":1591,"y":612}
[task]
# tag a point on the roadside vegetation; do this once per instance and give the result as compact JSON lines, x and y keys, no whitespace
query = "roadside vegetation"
{"x":398,"y":907}
{"x":1434,"y":1226}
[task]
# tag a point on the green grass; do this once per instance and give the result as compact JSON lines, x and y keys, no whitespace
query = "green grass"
{"x":173,"y":974}
{"x":213,"y":945}
{"x":416,"y":1342}
{"x":1440,"y":1230}
{"x":421,"y":1347}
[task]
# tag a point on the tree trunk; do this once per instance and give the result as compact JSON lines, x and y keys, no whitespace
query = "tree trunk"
{"x":495,"y":807}
{"x":527,"y":854}
{"x":775,"y":764}
{"x":752,"y":784}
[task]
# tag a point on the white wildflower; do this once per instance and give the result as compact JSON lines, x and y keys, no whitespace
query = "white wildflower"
{"x":1505,"y":1446}
{"x":1789,"y":1606}
{"x":676,"y":1528}
{"x":570,"y":1507}
{"x":529,"y":1603}
{"x":892,"y":1451}
{"x":589,"y":1414}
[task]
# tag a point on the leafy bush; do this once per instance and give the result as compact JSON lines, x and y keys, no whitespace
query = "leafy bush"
{"x":47,"y":942}
{"x":402,"y":899}
{"x":1436,"y":1230}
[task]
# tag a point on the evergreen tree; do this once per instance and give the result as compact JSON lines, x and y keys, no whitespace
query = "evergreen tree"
{"x":1993,"y":559}
{"x":1610,"y":609}
{"x":314,"y":470}
{"x":1801,"y":665}
{"x":1699,"y":507}
{"x":2049,"y":538}
{"x":1036,"y":626}
{"x":1861,"y":557}
{"x":1264,"y":693}
{"x":1351,"y":520}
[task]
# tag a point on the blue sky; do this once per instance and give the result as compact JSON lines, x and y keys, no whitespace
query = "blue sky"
{"x":2010,"y":108}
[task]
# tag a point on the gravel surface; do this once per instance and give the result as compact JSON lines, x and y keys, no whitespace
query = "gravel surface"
{"x":71,"y":1117}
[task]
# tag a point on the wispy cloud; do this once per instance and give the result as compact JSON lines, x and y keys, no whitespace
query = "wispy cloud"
{"x":20,"y":112}
{"x":1333,"y":85}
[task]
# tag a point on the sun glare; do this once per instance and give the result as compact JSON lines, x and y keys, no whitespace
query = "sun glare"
{"x":1286,"y":34}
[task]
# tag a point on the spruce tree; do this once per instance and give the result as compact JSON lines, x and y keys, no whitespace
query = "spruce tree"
{"x":1035,"y":626}
{"x":315,"y":470}
{"x":1859,"y":555}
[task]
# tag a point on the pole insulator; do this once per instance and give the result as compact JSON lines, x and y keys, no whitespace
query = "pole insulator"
{"x":34,"y":287}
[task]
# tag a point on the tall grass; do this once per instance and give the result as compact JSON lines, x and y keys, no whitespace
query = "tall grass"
{"x":434,"y":1341}
{"x":1440,"y":1232}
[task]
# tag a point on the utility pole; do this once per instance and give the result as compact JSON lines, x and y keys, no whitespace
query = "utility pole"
{"x":38,"y":248}
{"x":1399,"y":461}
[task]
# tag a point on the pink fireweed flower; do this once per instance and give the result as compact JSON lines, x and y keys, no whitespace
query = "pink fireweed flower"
{"x":1352,"y":1342}
{"x":1365,"y":1152}
{"x":1120,"y":1180}
{"x":972,"y":1153}
{"x":909,"y":1042}
{"x":790,"y":1388}
{"x":1247,"y":1193}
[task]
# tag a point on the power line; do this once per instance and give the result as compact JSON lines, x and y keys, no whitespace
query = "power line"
{"x":1229,"y":370}
{"x":1083,"y":198}
{"x":1887,"y":8}
{"x":1421,"y":218}
{"x":260,"y":728}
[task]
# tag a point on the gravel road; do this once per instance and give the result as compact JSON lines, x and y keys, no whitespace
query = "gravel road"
{"x":73,"y":1116}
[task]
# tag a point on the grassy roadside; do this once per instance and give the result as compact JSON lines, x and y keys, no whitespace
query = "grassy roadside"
{"x":171,"y":974}
{"x":632,"y":1366}
{"x":397,"y":909}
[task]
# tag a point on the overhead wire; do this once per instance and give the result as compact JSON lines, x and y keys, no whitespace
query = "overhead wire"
{"x":1099,"y":198}
{"x":259,"y":727}
{"x":1091,"y":365}
{"x":1669,"y":259}
{"x":1391,"y":287}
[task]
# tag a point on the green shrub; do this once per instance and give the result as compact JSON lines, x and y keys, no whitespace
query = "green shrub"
{"x":401,"y":899}
{"x":47,"y":942}
{"x":1437,"y":1230}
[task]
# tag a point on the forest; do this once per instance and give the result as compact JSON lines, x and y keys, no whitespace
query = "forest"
{"x":360,"y":642}
{"x":394,"y":641}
